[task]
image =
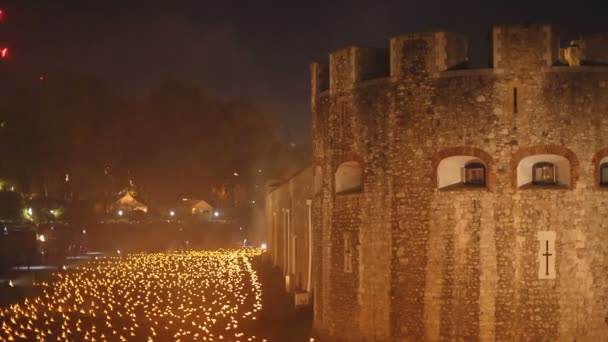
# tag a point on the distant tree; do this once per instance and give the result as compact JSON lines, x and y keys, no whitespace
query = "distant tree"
{"x":197,"y":142}
{"x":72,"y":137}
{"x":11,"y":206}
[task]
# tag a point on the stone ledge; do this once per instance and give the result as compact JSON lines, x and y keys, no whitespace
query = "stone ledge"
{"x":531,"y":186}
{"x":464,"y":187}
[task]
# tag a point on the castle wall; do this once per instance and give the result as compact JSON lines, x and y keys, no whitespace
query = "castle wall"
{"x":499,"y":285}
{"x":366,"y":286}
{"x":463,"y":263}
{"x":287,"y":226}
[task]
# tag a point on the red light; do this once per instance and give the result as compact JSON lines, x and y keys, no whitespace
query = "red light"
{"x":4,"y":52}
{"x":42,"y":78}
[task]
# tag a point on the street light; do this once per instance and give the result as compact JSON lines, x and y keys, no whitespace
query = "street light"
{"x":216,"y":213}
{"x":172,"y":213}
{"x":120,"y":213}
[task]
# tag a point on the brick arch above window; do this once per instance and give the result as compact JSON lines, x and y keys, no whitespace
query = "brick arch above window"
{"x":348,"y":157}
{"x":545,"y":149}
{"x":597,"y":161}
{"x":480,"y":154}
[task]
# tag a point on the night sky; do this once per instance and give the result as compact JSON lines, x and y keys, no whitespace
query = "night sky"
{"x":256,"y":49}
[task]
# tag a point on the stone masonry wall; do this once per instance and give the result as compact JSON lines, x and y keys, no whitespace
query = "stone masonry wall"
{"x":463,"y":263}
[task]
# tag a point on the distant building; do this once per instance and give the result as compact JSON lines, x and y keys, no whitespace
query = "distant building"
{"x":127,"y":203}
{"x":197,"y":206}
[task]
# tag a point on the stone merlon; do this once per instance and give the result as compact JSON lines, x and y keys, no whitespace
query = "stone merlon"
{"x":514,"y":47}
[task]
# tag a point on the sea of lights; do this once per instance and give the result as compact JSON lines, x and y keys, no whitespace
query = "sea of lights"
{"x":194,"y":296}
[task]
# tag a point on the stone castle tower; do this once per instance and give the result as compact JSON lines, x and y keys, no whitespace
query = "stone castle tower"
{"x":459,"y":204}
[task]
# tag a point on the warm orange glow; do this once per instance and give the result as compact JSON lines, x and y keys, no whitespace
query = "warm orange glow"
{"x":209,"y":296}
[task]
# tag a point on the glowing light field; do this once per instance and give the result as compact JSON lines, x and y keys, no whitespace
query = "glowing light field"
{"x":202,"y":296}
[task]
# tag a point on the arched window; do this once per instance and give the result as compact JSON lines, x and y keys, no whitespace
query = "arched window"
{"x":459,"y":172}
{"x":475,"y":174}
{"x":604,"y":174}
{"x":600,"y":162}
{"x":348,"y":178}
{"x":544,"y":173}
{"x":550,"y":170}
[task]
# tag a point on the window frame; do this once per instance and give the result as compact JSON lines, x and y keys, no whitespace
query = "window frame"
{"x":474,"y":165}
{"x":542,"y":165}
{"x":603,"y":182}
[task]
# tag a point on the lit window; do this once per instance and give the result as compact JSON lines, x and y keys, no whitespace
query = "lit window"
{"x":475,"y":174}
{"x":462,"y":172}
{"x":543,"y":173}
{"x":604,"y":174}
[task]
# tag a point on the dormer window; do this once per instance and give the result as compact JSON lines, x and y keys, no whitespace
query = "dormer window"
{"x":604,"y":174}
{"x":475,"y":174}
{"x":543,"y":173}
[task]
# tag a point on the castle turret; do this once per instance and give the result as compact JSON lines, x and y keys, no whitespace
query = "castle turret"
{"x":461,"y":204}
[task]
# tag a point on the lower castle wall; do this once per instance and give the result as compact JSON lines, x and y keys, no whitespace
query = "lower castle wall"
{"x":286,"y":219}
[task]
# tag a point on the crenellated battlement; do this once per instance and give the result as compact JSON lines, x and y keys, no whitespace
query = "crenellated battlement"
{"x":592,"y":49}
{"x":354,"y":64}
{"x":428,"y":52}
{"x":514,"y":48}
{"x":524,"y":46}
